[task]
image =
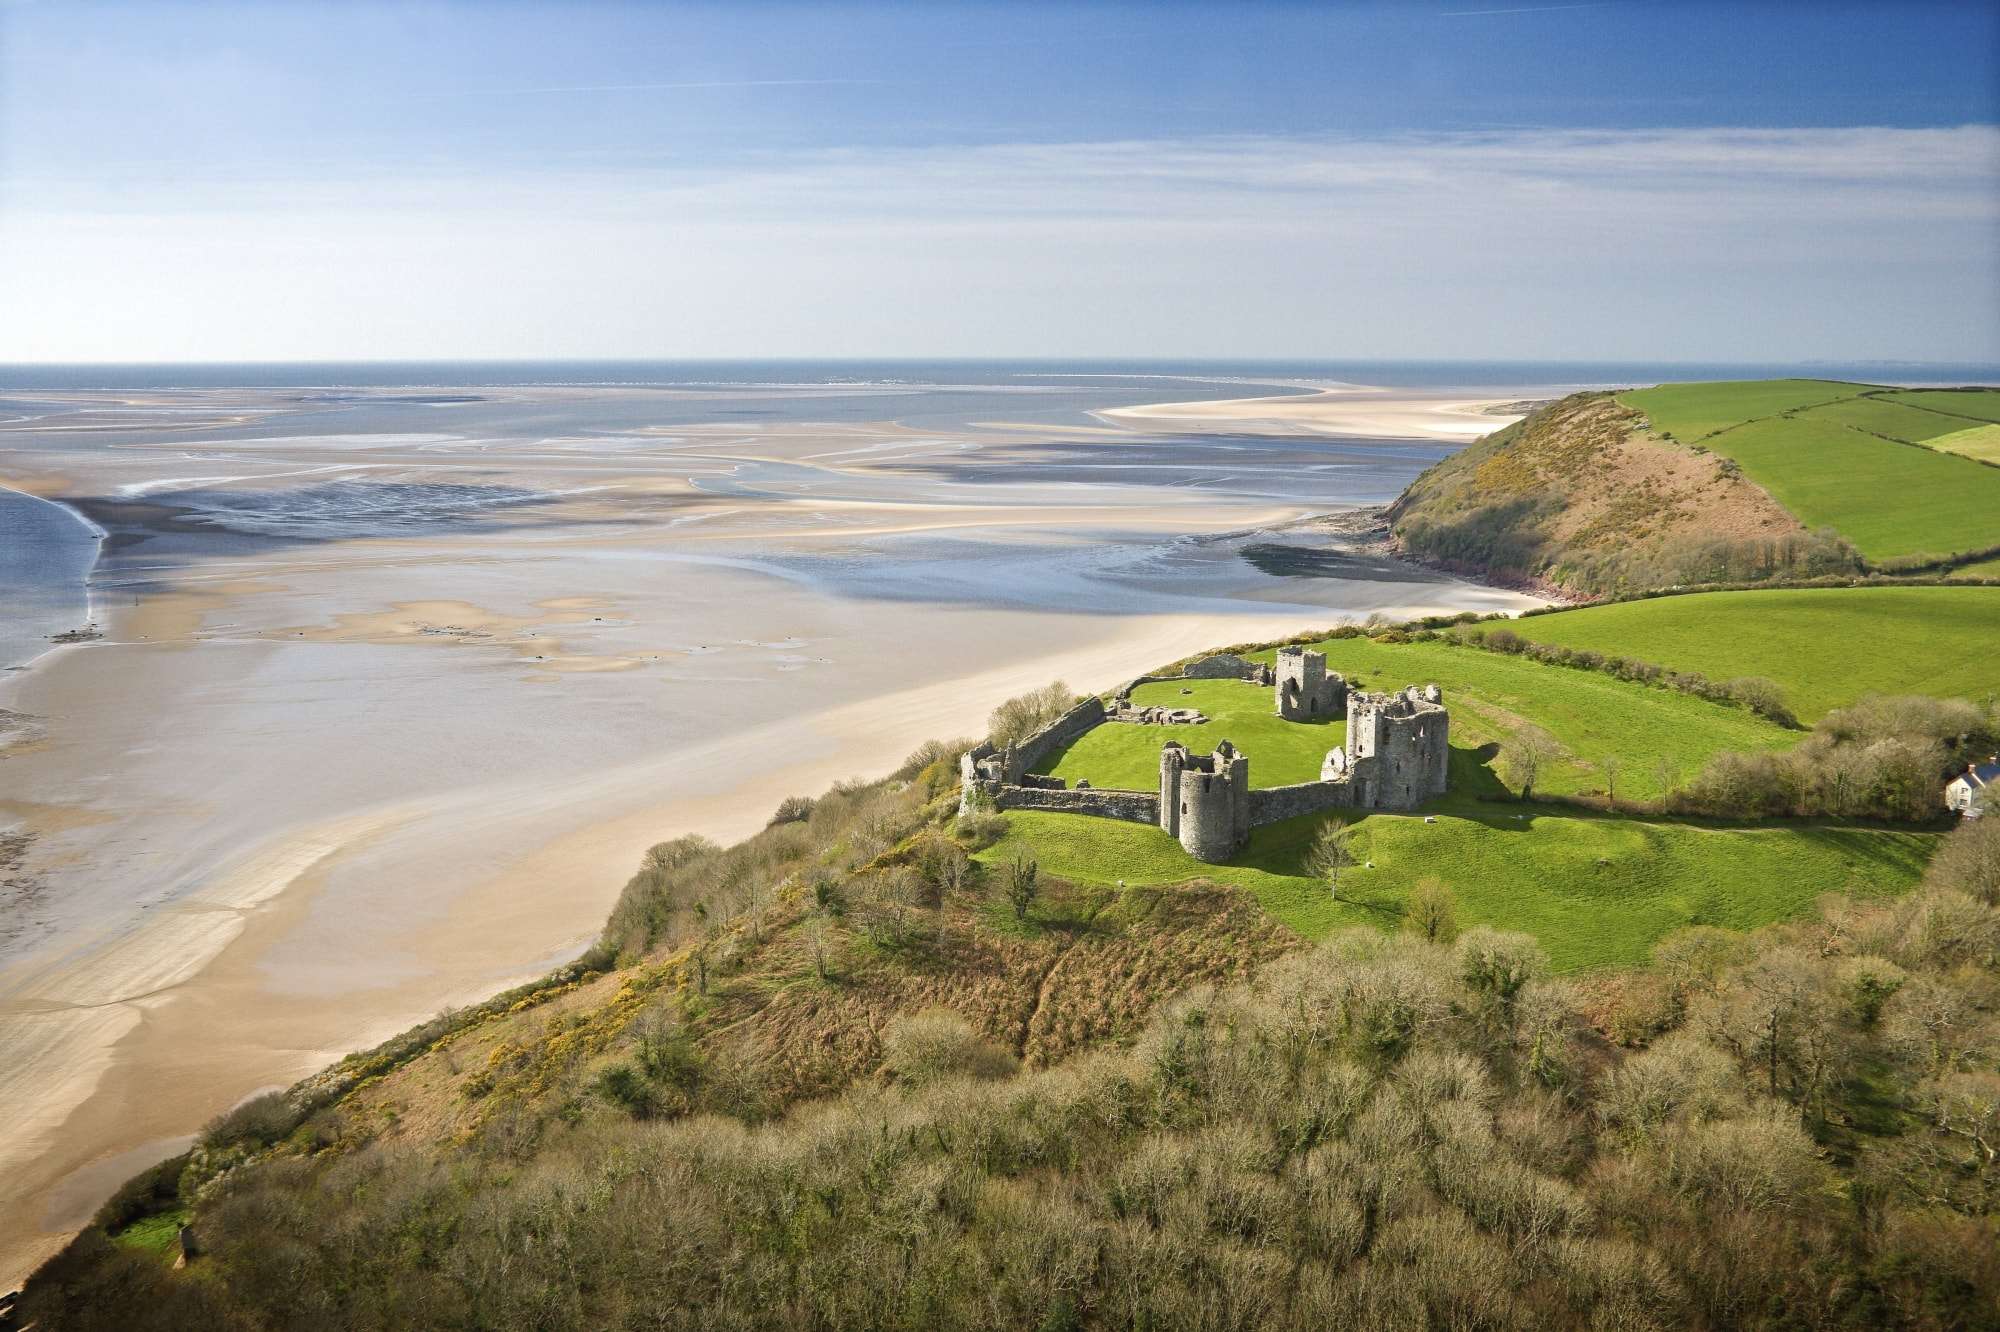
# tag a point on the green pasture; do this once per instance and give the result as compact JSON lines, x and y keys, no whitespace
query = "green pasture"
{"x":1844,"y":456}
{"x":1980,"y":442}
{"x":1825,"y":646}
{"x":1982,"y":404}
{"x":1690,"y":412}
{"x":1597,"y":890}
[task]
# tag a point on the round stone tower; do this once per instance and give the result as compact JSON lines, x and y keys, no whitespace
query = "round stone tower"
{"x":1205,"y":800}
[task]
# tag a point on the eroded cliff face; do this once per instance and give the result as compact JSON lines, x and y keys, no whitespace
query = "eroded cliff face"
{"x":1584,"y":496}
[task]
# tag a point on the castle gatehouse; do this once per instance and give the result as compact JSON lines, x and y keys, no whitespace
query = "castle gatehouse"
{"x":1396,"y":756}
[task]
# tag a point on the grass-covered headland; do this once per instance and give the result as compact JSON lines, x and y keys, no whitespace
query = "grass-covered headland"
{"x":1746,"y":482}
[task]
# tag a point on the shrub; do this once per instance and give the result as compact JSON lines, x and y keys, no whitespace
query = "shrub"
{"x":257,"y":1122}
{"x":1018,"y":718}
{"x":792,"y":809}
{"x":936,"y":1044}
{"x":1499,"y":962}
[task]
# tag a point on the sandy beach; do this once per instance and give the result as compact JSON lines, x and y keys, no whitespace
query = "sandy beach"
{"x":1339,"y":409}
{"x":383,"y":718}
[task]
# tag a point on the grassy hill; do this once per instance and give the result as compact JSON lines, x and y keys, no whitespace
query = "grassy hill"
{"x":1719,"y":482}
{"x":1826,"y":646}
{"x":1595,"y":890}
{"x":1859,"y":459}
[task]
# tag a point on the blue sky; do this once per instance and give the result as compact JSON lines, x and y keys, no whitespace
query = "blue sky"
{"x":1477,"y":178}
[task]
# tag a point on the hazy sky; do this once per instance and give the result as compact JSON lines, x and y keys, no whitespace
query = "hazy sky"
{"x":1459,"y":178}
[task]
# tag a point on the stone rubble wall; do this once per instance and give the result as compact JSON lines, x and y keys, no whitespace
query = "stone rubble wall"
{"x":1062,"y":731}
{"x":1130,"y":806}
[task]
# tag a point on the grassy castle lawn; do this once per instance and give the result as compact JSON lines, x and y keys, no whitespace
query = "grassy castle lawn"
{"x":1826,"y":646}
{"x":1597,"y":890}
{"x":1490,"y":696}
{"x":1128,"y":757}
{"x":1838,"y":459}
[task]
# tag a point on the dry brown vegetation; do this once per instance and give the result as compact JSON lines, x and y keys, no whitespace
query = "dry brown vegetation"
{"x":1383,"y":1131}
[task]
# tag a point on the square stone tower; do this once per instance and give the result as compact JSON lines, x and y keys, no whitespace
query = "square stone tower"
{"x":1306,"y":690}
{"x":1398,"y":751}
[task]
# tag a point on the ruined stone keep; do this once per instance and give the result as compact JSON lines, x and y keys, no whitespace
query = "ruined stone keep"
{"x":1306,"y":690}
{"x":1398,"y":751}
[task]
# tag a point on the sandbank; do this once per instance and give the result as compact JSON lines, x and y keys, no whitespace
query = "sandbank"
{"x":1343,"y":410}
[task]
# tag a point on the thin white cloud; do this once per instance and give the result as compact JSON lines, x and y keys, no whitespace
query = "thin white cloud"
{"x":695,"y":84}
{"x":1703,"y":243}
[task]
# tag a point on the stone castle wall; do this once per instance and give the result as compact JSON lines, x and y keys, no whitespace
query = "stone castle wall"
{"x":1102,"y":802}
{"x":1306,"y":690}
{"x":1397,"y":757}
{"x":1399,"y":748}
{"x":1275,"y":803}
{"x":1064,"y":730}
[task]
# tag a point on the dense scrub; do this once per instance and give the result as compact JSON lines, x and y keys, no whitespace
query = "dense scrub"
{"x":1882,"y":758}
{"x":1384,"y":1132}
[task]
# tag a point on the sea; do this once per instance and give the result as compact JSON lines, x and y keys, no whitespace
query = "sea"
{"x":48,"y":550}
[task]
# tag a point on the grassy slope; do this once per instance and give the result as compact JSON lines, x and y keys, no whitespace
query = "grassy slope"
{"x":1596,"y":890}
{"x":1827,"y":646}
{"x":1819,"y":448}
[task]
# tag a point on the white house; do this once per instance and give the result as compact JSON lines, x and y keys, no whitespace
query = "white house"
{"x":1969,"y":793}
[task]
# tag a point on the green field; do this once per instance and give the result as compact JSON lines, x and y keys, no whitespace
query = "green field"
{"x":1830,"y":453}
{"x":1981,"y":442}
{"x":1691,"y":412}
{"x":1596,"y":890}
{"x":1978,"y":404}
{"x":1590,"y":716}
{"x":1826,"y":646}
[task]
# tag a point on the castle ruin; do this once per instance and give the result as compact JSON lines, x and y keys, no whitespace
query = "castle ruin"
{"x":1396,"y":756}
{"x":1398,"y":751}
{"x":1307,"y":691}
{"x":1205,"y":799}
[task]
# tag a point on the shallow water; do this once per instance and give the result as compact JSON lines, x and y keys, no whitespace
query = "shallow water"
{"x":46,"y":554}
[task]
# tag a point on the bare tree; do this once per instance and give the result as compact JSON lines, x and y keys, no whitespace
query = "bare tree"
{"x":1432,"y":910}
{"x":1524,"y":757}
{"x":1667,"y":774}
{"x":1609,"y":765}
{"x":1332,"y":851}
